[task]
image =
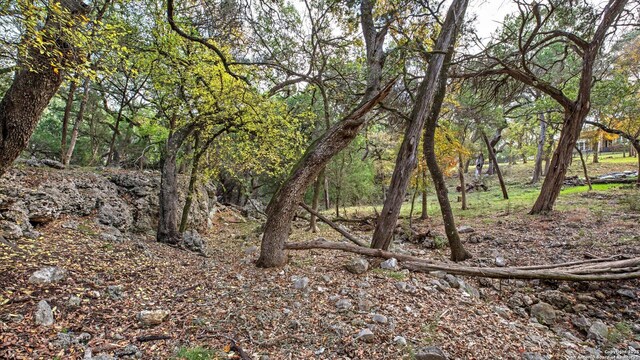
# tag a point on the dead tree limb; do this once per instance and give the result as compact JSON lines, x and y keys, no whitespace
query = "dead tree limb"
{"x":334,"y":226}
{"x":592,"y":271}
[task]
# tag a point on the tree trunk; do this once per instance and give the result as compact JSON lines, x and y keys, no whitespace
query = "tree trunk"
{"x":596,"y":150}
{"x":111,"y":156}
{"x":317,"y":188}
{"x":584,"y":169}
{"x":168,"y":214}
{"x":284,"y":202}
{"x":65,"y":119}
{"x":193,"y":179}
{"x":463,"y":186}
{"x":554,"y":179}
{"x":327,"y":203}
{"x":537,"y":170}
{"x":425,"y":214}
{"x":494,"y":161}
{"x":33,"y":86}
{"x":479,"y":165}
{"x":76,"y":126}
{"x":429,"y":100}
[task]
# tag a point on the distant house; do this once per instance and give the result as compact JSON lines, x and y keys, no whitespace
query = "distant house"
{"x":592,"y":139}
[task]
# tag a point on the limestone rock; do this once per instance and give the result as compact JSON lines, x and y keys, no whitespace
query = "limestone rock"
{"x":430,"y":353}
{"x":365,"y":335}
{"x":389,"y":264}
{"x":47,"y":275}
{"x":152,"y":317}
{"x":544,"y":313}
{"x":44,"y":314}
{"x":358,"y":266}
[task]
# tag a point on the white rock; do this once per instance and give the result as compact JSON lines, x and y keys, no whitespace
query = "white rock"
{"x":44,"y":314}
{"x":47,"y":275}
{"x":152,"y":317}
{"x":365,"y":335}
{"x":390,"y":264}
{"x":400,"y":340}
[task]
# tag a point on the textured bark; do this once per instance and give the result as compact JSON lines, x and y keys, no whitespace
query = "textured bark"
{"x":193,"y":178}
{"x":560,"y":161}
{"x":537,"y":169}
{"x":168,"y":213}
{"x":283,"y":204}
{"x":494,"y":161}
{"x":76,"y":126}
{"x":317,"y":188}
{"x":575,"y":112}
{"x":32,"y":88}
{"x":65,"y":119}
{"x":458,"y":253}
{"x":613,"y":268}
{"x":429,"y":99}
{"x":463,"y":186}
{"x":424,"y":214}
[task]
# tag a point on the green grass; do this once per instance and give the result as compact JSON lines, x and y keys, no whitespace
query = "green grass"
{"x":397,"y":275}
{"x":487,"y":205}
{"x":196,"y":353}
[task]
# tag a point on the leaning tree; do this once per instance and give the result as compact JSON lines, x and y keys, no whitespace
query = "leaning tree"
{"x":554,"y":47}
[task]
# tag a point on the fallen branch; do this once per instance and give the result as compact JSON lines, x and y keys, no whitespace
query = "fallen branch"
{"x":335,"y":226}
{"x":591,"y":271}
{"x":152,"y":338}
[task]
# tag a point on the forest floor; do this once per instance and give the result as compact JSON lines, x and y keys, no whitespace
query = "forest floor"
{"x":274,"y":314}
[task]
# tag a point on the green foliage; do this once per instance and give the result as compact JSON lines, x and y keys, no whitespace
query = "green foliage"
{"x":195,"y":353}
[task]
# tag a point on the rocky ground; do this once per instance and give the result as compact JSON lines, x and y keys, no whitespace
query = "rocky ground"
{"x":70,"y":293}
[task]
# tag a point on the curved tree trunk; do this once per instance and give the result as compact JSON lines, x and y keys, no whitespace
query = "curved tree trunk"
{"x":284,"y":202}
{"x":31,"y":90}
{"x":560,"y":161}
{"x":494,"y":161}
{"x":429,"y":100}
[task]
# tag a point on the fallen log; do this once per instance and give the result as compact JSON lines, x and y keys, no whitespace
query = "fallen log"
{"x":589,"y":271}
{"x":334,"y":226}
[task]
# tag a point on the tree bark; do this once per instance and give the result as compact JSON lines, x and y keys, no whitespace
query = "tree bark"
{"x":537,"y":170}
{"x":65,"y":118}
{"x":193,"y":179}
{"x":425,"y":212}
{"x":584,"y":168}
{"x":575,"y":112}
{"x":76,"y":126}
{"x":32,"y":88}
{"x":317,"y":188}
{"x":463,"y":186}
{"x":494,"y":161}
{"x":168,"y":215}
{"x":283,"y":204}
{"x":429,"y":99}
{"x":596,"y":150}
{"x":603,"y":269}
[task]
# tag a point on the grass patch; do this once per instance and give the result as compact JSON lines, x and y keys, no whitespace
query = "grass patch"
{"x":196,"y":353}
{"x":397,"y":275}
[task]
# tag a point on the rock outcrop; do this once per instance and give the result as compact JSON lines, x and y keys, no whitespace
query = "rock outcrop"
{"x":123,"y":202}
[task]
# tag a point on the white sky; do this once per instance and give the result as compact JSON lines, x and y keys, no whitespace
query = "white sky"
{"x":489,"y":14}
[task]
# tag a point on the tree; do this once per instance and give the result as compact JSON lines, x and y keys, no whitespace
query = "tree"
{"x":429,"y":100}
{"x":552,"y":29}
{"x":283,"y":204}
{"x":44,"y":53}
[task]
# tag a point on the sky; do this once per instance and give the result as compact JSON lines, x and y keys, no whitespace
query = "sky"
{"x":489,"y":14}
